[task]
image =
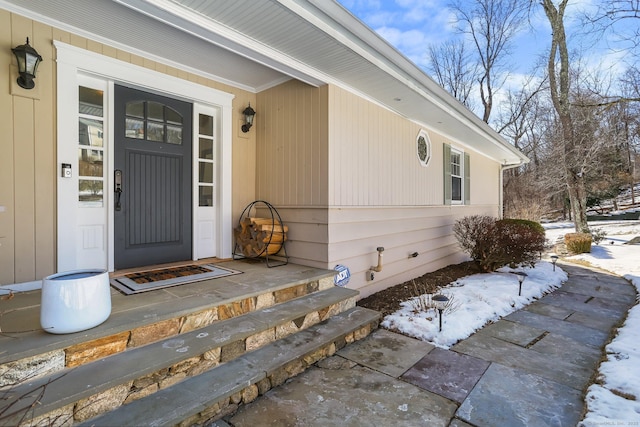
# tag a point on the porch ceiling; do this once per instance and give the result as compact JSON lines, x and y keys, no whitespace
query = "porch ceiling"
{"x":258,"y":44}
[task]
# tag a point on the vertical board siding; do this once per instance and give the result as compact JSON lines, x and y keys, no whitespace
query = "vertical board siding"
{"x":28,"y":165}
{"x":291,"y":162}
{"x":7,"y":178}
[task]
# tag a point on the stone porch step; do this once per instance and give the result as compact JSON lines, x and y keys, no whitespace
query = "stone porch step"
{"x":139,"y":371}
{"x":137,"y":320}
{"x":218,"y":392}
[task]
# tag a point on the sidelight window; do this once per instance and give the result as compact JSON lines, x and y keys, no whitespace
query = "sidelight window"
{"x":90,"y":147}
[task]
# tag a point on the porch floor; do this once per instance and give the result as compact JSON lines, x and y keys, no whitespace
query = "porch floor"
{"x":21,"y":335}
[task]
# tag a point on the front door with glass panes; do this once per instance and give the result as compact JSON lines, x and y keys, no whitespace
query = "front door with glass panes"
{"x":152,"y":198}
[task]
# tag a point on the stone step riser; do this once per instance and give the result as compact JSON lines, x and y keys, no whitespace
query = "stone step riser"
{"x":29,"y":368}
{"x":210,"y":347}
{"x":218,"y":392}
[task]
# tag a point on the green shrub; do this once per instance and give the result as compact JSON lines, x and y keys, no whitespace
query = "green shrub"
{"x":536,"y":226}
{"x":578,"y":243}
{"x":495,"y":243}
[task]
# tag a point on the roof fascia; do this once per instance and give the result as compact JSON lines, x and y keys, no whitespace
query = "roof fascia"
{"x":337,"y":21}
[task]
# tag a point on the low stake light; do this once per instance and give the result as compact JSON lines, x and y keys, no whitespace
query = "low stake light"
{"x":554,"y":259}
{"x":521,"y":277}
{"x":440,"y":302}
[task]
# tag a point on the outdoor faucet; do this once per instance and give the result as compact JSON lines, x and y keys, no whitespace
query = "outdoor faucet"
{"x":378,"y":268}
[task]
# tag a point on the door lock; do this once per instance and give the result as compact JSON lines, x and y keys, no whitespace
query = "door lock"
{"x":117,"y":181}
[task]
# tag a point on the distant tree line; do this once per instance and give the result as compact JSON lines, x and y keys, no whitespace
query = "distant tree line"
{"x":579,"y":125}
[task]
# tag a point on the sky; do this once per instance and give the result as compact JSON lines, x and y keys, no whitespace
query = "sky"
{"x":412,"y":25}
{"x":482,"y":298}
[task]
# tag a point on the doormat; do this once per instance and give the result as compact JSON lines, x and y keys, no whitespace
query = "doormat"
{"x":135,"y":283}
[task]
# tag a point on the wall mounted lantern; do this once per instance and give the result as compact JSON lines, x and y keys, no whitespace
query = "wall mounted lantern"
{"x":440,"y":302}
{"x":28,"y":60}
{"x":249,"y":114}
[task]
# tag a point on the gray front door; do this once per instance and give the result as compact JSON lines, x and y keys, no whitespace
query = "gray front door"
{"x":152,"y":179}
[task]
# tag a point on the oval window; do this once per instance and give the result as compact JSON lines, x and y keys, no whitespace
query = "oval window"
{"x":423,"y":148}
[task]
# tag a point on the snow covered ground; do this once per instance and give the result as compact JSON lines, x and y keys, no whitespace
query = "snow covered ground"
{"x":478,"y":299}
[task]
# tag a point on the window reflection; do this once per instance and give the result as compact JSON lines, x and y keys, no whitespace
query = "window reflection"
{"x":205,"y":195}
{"x":91,"y":193}
{"x":90,"y":101}
{"x":206,"y":149}
{"x":153,"y":121}
{"x":90,"y":132}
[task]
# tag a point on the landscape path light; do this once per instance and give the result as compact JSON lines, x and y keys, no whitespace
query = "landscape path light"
{"x":440,"y":302}
{"x":554,"y":259}
{"x":521,"y":277}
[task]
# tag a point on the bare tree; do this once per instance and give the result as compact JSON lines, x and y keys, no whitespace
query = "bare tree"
{"x":491,"y":25}
{"x":452,"y":68}
{"x":620,"y":17}
{"x":559,"y":85}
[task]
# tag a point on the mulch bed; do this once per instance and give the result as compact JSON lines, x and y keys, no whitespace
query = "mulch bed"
{"x":388,"y":301}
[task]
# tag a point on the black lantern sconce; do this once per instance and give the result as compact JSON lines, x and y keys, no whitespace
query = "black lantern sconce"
{"x":521,"y":277}
{"x":554,"y":259}
{"x":249,"y":114}
{"x":440,"y":302}
{"x":28,"y":60}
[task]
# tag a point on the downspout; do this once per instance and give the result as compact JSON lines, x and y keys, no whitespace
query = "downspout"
{"x":501,"y":197}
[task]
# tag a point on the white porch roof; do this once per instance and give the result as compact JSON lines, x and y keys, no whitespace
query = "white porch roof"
{"x":256,"y":44}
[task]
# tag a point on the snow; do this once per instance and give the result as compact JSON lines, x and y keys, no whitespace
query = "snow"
{"x":475,"y":301}
{"x":480,"y":299}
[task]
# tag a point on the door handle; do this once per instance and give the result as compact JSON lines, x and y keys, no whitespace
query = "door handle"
{"x":117,"y":181}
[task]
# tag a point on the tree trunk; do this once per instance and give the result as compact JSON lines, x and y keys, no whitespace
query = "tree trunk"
{"x":559,"y":84}
{"x":578,"y":201}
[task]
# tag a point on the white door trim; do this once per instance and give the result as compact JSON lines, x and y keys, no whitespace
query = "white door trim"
{"x":72,"y":62}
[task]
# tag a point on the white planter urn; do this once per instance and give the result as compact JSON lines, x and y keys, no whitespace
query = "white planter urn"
{"x":73,"y":301}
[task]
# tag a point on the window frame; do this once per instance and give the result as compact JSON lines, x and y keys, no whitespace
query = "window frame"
{"x":463,"y":174}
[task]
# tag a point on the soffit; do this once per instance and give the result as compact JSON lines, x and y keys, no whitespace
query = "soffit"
{"x":258,"y":44}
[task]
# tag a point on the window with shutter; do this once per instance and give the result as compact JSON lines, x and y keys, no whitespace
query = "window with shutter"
{"x":456,"y":176}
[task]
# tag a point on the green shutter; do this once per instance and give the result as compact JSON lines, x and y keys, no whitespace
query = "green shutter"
{"x":467,"y":180}
{"x":447,"y":173}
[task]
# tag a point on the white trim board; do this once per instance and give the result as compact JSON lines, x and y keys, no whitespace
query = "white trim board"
{"x":72,"y":64}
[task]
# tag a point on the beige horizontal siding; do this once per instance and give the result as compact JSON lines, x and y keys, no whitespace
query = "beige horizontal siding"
{"x":355,"y":233}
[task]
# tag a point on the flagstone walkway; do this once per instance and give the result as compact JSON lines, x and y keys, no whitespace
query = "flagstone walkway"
{"x":531,"y":368}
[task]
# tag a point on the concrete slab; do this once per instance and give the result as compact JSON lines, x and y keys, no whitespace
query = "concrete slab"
{"x":581,"y":303}
{"x":515,"y":333}
{"x":509,"y":397}
{"x":618,"y":306}
{"x":456,"y":422}
{"x":594,"y":321}
{"x":560,"y":313}
{"x":569,"y":350}
{"x":574,"y":331}
{"x":345,"y":397}
{"x":605,"y":287}
{"x":511,"y":355}
{"x":387,"y":352}
{"x":447,"y":373}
